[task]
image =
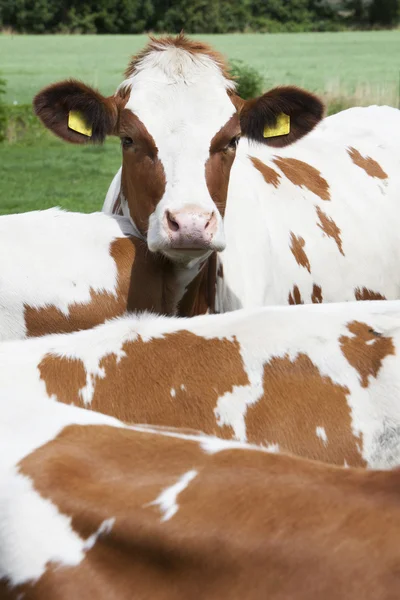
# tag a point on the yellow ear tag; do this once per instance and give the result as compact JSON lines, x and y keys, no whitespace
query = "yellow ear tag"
{"x":76,"y":122}
{"x":282,"y":127}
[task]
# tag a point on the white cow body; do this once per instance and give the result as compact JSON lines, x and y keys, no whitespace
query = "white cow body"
{"x":340,"y":361}
{"x":259,"y":267}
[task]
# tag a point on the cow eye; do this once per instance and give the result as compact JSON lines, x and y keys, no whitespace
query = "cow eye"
{"x":233,"y":143}
{"x":127,"y":141}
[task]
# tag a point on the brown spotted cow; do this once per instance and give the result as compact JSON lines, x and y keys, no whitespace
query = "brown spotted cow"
{"x":313,"y":221}
{"x":60,"y":272}
{"x":93,"y":509}
{"x":321,"y":382}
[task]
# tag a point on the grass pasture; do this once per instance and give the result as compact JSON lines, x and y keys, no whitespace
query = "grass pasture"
{"x":346,"y":68}
{"x":319,"y":62}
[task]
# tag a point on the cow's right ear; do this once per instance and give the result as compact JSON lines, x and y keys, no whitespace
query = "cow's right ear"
{"x":76,"y":112}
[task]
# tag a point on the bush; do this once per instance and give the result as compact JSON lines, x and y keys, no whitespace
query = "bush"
{"x":18,"y":123}
{"x":3,"y":111}
{"x":250,"y":82}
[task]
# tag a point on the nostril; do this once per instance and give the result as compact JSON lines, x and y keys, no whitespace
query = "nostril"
{"x":211,"y":221}
{"x":172,"y":224}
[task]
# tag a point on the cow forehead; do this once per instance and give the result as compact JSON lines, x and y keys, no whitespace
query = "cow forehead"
{"x":181,"y":116}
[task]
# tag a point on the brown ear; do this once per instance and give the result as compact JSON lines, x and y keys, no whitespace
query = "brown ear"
{"x":53,"y":104}
{"x":304,"y":109}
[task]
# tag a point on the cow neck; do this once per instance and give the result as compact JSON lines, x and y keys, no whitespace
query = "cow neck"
{"x":187,"y":290}
{"x":199,"y":297}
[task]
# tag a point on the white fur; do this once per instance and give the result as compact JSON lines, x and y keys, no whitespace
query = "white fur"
{"x":321,"y":434}
{"x":167,"y":500}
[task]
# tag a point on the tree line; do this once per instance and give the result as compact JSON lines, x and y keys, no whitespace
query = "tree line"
{"x":195,"y":16}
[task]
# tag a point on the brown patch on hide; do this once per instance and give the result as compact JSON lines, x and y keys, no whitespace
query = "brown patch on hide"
{"x":366,"y":350}
{"x":330,"y":228}
{"x":304,"y":175}
{"x":297,"y":248}
{"x":370,"y":166}
{"x":297,"y":401}
{"x":270,"y":176}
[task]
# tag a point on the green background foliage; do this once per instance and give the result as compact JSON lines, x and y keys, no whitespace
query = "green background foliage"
{"x":195,"y":16}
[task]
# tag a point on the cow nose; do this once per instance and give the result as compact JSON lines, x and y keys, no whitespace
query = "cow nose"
{"x":190,"y":228}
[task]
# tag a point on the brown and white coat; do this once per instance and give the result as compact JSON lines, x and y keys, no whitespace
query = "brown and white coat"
{"x":93,"y":509}
{"x":61,"y":272}
{"x":318,"y":381}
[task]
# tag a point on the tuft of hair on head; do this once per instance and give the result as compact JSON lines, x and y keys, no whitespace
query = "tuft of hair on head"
{"x":180,"y":42}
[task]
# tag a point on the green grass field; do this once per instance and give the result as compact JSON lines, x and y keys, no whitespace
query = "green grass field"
{"x":314,"y":60}
{"x":52,"y":173}
{"x":41,"y":171}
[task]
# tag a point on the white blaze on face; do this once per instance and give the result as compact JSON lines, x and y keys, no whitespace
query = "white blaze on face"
{"x":182,"y":100}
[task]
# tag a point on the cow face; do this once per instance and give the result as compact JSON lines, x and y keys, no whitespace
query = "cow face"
{"x":179,"y":121}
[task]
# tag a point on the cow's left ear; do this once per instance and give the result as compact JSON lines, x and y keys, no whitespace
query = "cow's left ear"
{"x":76,"y":112}
{"x":281,"y":116}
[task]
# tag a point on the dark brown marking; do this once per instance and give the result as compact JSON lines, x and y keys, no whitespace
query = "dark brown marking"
{"x":366,"y":350}
{"x":316,"y":297}
{"x":295,"y":296}
{"x":304,"y":175}
{"x":199,"y":297}
{"x":330,"y":228}
{"x":297,"y":248}
{"x":143,"y":177}
{"x":296,"y":400}
{"x":219,"y":164}
{"x":366,"y":294}
{"x":270,"y":176}
{"x":370,"y":166}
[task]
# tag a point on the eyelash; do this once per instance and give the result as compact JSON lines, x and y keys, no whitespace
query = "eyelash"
{"x":233,"y":143}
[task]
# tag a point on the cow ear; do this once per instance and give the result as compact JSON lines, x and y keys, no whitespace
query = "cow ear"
{"x":281,"y":116}
{"x":76,"y":112}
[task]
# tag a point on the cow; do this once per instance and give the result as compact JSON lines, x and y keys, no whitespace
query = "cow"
{"x":60,"y":272}
{"x":296,"y":218}
{"x":318,"y":381}
{"x":91,"y":508}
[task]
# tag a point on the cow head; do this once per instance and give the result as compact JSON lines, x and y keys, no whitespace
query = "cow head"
{"x":179,"y":121}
